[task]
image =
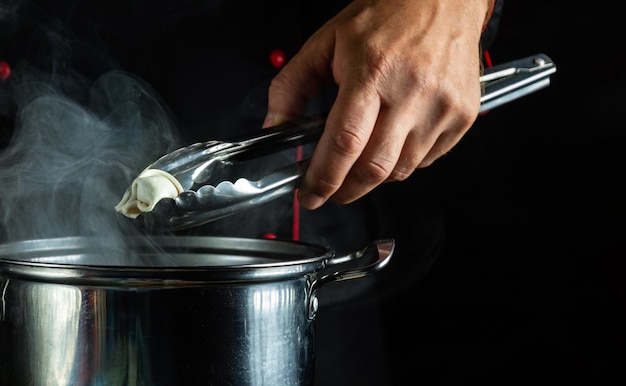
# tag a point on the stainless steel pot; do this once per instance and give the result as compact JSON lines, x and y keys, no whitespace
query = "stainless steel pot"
{"x":166,"y":310}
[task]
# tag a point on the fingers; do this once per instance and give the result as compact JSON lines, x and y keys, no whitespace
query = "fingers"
{"x":444,"y":143}
{"x":404,"y":95}
{"x":456,"y":118}
{"x":384,"y":157}
{"x":380,"y":143}
{"x":349,"y":126}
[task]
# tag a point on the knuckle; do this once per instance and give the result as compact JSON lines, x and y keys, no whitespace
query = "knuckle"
{"x":454,"y":102}
{"x":405,"y":168}
{"x":279,"y":82}
{"x":375,"y":171}
{"x":400,"y":174}
{"x":464,"y":108}
{"x":322,"y":185}
{"x":377,"y":58}
{"x":350,"y":139}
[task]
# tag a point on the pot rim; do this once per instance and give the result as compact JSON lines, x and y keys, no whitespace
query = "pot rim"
{"x":55,"y":259}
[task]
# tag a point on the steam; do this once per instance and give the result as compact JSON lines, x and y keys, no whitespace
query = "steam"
{"x":78,"y":144}
{"x":72,"y":157}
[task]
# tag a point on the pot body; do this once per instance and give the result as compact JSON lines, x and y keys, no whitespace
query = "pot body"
{"x":235,"y":314}
{"x":54,"y":334}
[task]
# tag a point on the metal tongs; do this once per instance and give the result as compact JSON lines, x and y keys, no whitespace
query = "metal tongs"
{"x":208,"y":170}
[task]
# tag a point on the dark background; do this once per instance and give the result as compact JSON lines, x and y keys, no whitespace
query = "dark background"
{"x":528,"y":286}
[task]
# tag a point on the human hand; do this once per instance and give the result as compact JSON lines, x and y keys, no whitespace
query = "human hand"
{"x":408,"y":90}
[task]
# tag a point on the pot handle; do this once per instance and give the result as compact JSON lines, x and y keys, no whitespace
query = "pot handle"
{"x":383,"y":249}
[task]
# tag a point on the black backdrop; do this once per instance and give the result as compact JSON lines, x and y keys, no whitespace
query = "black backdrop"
{"x":528,"y":287}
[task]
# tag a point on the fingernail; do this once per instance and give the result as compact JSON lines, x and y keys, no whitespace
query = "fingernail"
{"x":269,"y":120}
{"x":273,"y":119}
{"x":310,"y":200}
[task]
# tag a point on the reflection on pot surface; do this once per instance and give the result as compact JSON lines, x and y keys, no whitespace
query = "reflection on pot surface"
{"x":247,"y":323}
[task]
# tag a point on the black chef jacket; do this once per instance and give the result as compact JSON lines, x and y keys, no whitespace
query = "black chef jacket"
{"x":209,"y":60}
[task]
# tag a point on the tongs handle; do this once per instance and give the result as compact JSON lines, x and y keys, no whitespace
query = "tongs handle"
{"x":204,"y":169}
{"x":268,"y":141}
{"x":512,"y":80}
{"x":501,"y":84}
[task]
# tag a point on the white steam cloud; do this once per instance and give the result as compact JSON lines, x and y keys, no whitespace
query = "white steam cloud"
{"x":70,"y":160}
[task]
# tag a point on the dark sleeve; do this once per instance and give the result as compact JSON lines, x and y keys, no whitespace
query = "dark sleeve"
{"x":491,"y":29}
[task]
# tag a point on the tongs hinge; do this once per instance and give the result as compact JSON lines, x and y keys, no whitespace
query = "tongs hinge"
{"x":509,"y":81}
